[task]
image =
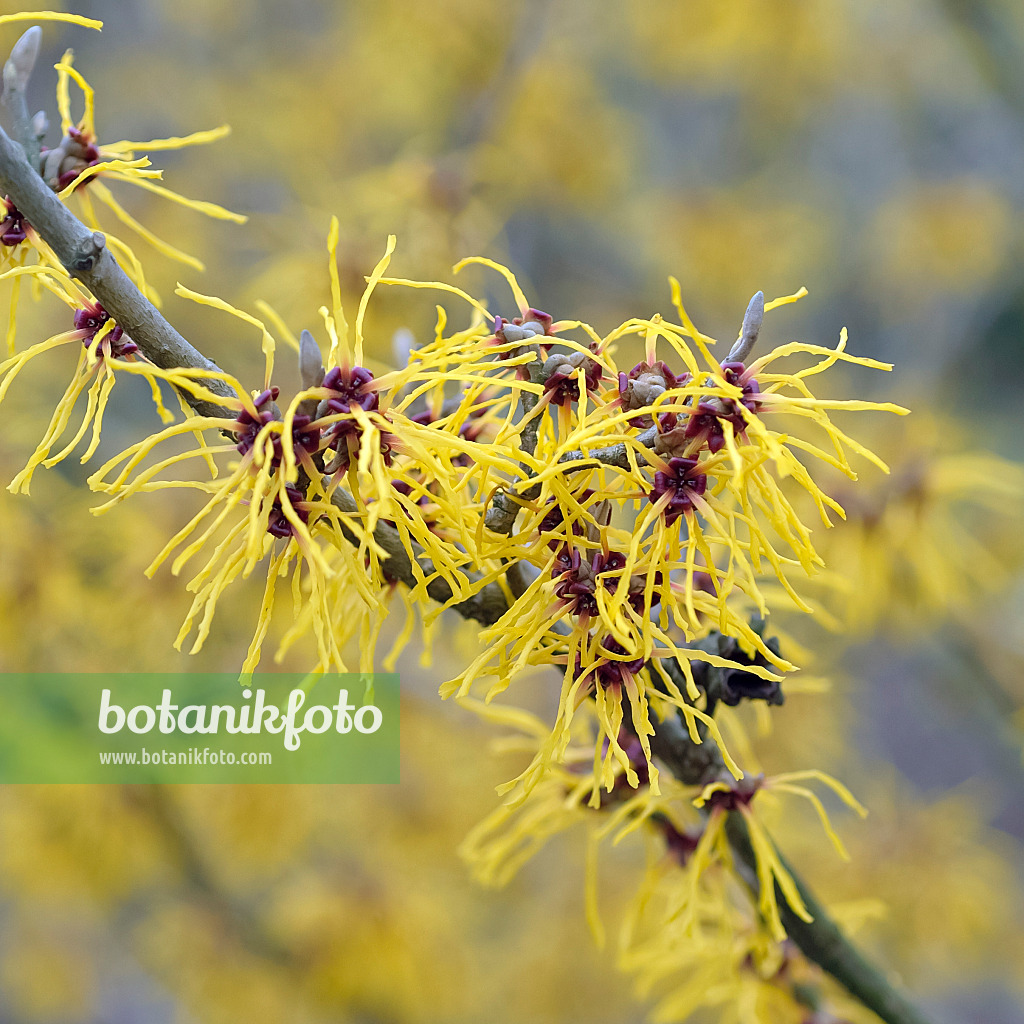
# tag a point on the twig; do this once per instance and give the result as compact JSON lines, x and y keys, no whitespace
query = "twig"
{"x":613,"y":455}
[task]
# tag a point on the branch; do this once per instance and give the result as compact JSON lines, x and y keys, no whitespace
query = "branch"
{"x":613,"y":455}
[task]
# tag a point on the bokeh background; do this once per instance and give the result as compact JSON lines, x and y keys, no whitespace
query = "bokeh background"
{"x":870,"y":151}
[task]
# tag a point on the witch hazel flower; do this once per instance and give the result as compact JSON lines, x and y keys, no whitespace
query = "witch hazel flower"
{"x":562,"y":376}
{"x":675,"y":487}
{"x":278,"y":523}
{"x":619,"y":667}
{"x":349,"y":390}
{"x":249,"y":426}
{"x":90,"y":320}
{"x":80,"y":165}
{"x":104,"y":352}
{"x":77,"y":152}
{"x":578,"y":579}
{"x":522,"y":331}
{"x":705,"y":425}
{"x":720,"y":798}
{"x":13,"y":229}
{"x":264,"y":510}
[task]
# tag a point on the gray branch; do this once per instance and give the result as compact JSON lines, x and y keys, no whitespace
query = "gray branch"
{"x":613,"y":455}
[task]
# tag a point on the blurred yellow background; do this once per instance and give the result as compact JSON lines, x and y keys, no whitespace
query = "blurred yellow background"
{"x":869,"y":151}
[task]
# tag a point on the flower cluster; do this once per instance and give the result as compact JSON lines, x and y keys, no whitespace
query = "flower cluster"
{"x":638,"y":516}
{"x":602,"y":530}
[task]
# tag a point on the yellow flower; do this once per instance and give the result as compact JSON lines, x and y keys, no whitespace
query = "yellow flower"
{"x":104,"y":351}
{"x":720,"y":798}
{"x":928,"y":539}
{"x":567,"y":795}
{"x":622,"y":559}
{"x":80,"y":164}
{"x":716,"y":463}
{"x":692,"y":920}
{"x":283,"y":503}
{"x":248,"y":510}
{"x":733,"y":967}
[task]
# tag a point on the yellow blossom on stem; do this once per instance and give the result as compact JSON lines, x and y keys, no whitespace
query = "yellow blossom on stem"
{"x":687,"y":920}
{"x":247,"y":510}
{"x":104,"y":351}
{"x":735,"y":969}
{"x":516,"y":830}
{"x":926,"y":540}
{"x":336,"y":437}
{"x":720,"y":798}
{"x":79,"y":165}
